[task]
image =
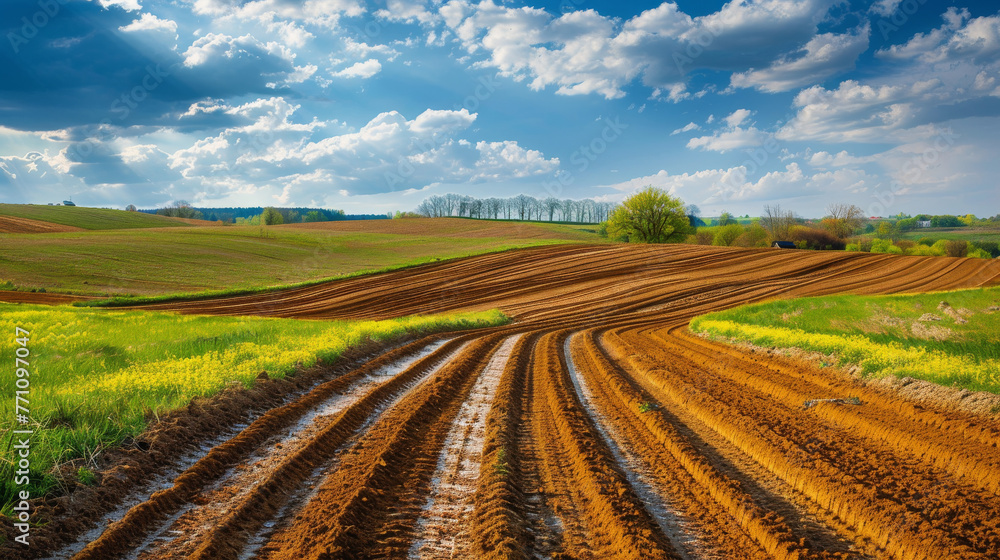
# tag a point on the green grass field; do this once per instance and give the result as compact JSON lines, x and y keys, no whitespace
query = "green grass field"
{"x":88,"y":218}
{"x":98,"y":376}
{"x":194,"y":259}
{"x":901,"y":335}
{"x":968,"y":234}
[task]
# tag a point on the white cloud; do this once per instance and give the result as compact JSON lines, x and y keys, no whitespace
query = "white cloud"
{"x":583,"y":52}
{"x":127,"y":5}
{"x":149,"y":22}
{"x":728,"y":140}
{"x":389,"y":153}
{"x":960,"y":38}
{"x":408,"y":11}
{"x":363,"y":70}
{"x":823,"y":56}
{"x":686,"y":128}
{"x":885,"y":7}
{"x":824,"y":159}
{"x":737,"y":117}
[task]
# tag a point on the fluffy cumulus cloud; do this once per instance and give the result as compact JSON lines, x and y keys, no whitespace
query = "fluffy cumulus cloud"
{"x":365,"y":69}
{"x":583,"y":52}
{"x":733,"y":136}
{"x":149,"y":22}
{"x":312,"y":161}
{"x":243,"y":62}
{"x":823,"y":56}
{"x":946,"y":74}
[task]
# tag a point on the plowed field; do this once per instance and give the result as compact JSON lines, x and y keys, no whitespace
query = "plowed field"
{"x":594,"y":427}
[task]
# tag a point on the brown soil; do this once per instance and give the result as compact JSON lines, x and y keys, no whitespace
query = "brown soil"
{"x":724,"y":439}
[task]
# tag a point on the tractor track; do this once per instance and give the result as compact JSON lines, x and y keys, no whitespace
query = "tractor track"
{"x":595,"y":426}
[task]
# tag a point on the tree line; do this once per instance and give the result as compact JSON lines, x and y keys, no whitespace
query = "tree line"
{"x":255,"y":214}
{"x":520,"y":207}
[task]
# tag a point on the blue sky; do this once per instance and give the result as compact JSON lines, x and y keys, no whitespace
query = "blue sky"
{"x":373,"y":106}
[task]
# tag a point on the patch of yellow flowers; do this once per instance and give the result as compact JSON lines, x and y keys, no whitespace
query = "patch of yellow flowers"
{"x":68,"y":364}
{"x":875,"y":359}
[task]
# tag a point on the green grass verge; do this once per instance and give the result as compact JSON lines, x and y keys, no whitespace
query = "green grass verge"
{"x":98,"y":376}
{"x":88,"y":218}
{"x":195,"y":259}
{"x":884,"y":335}
{"x":968,"y":234}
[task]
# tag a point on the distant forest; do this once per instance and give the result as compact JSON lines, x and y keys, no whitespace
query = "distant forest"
{"x":234,"y":214}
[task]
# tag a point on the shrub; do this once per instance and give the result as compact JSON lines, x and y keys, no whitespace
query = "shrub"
{"x":905,"y":244}
{"x":956,"y":248}
{"x":991,"y":247}
{"x":921,"y":251}
{"x":852,"y":247}
{"x":753,"y":236}
{"x":881,"y":245}
{"x":925,"y":241}
{"x":725,"y":235}
{"x":977,"y":253}
{"x":704,"y":238}
{"x":940,"y":247}
{"x":812,"y":238}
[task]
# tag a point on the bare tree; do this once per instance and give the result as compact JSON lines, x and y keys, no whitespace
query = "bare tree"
{"x":844,"y":219}
{"x":777,"y":222}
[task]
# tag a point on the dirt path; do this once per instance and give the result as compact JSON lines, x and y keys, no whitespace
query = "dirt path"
{"x":595,"y":426}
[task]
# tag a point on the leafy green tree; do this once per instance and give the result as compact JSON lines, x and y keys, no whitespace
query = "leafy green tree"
{"x":726,"y":235}
{"x":314,"y":216}
{"x":650,"y":216}
{"x":726,"y":218}
{"x":271,"y":217}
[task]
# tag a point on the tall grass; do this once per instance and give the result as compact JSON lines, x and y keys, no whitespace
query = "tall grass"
{"x":884,"y":335}
{"x":100,"y":376}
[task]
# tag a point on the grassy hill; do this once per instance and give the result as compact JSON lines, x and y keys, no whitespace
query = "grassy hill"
{"x":193,"y":259}
{"x":88,"y":218}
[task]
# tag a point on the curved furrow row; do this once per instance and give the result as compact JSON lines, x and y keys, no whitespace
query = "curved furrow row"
{"x":950,"y":441}
{"x":871,"y":491}
{"x":700,"y":481}
{"x":580,"y":474}
{"x":389,"y":469}
{"x":129,"y":532}
{"x":443,"y":530}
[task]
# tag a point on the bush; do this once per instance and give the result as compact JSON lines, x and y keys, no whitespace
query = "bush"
{"x":703,"y":238}
{"x":921,"y":251}
{"x":853,"y":247}
{"x":940,"y":247}
{"x":905,"y":244}
{"x":881,"y":245}
{"x":978,"y":253}
{"x":725,"y":235}
{"x":925,"y":241}
{"x":991,"y":247}
{"x":812,"y":238}
{"x":753,"y":236}
{"x":956,"y":248}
